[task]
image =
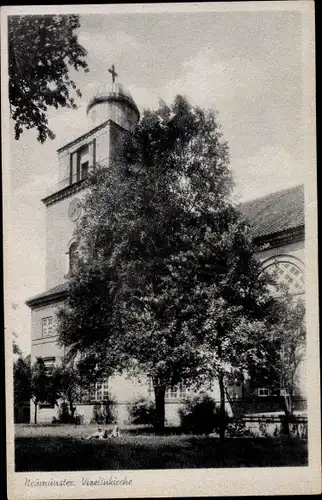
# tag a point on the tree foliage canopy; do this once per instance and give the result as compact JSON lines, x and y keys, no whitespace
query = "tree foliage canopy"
{"x":42,"y":49}
{"x":167,"y":284}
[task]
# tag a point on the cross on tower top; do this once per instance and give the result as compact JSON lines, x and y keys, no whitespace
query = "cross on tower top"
{"x":113,"y":72}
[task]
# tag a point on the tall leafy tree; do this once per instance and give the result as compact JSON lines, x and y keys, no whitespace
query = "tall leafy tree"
{"x":285,"y":350}
{"x":166,"y":285}
{"x":70,"y":379}
{"x":42,"y":50}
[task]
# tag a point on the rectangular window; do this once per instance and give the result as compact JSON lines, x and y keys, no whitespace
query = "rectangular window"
{"x":49,"y":364}
{"x":48,"y":329}
{"x":263,"y":391}
{"x":82,"y":163}
{"x":177,"y":391}
{"x":99,"y":391}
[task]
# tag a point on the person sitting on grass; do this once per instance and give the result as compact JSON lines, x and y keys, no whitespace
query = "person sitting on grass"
{"x":103,"y":434}
{"x":99,"y":434}
{"x":115,"y":432}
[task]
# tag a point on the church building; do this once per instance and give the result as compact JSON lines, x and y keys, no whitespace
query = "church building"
{"x":277,"y":221}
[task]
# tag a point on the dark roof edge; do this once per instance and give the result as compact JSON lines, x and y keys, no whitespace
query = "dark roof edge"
{"x":86,"y":134}
{"x":280,"y":238}
{"x":90,"y":132}
{"x":46,"y":298}
{"x":64,"y":192}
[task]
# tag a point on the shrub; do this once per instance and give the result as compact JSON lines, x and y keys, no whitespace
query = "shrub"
{"x":104,"y":413}
{"x":78,"y":419}
{"x":65,"y":417}
{"x":200,"y":415}
{"x":236,"y":427}
{"x":142,"y":411}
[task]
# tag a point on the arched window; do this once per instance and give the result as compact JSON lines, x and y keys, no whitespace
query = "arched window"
{"x":72,"y":256}
{"x":288,"y":270}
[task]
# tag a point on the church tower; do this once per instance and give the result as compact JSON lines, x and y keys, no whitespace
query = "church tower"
{"x":112,"y":113}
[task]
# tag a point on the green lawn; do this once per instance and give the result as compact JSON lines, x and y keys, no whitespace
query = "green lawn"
{"x":45,"y":451}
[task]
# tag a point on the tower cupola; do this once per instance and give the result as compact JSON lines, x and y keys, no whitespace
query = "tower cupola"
{"x":113,"y":101}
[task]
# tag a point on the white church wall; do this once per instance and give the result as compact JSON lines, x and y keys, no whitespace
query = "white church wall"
{"x":60,"y":230}
{"x":125,"y":389}
{"x":64,"y":164}
{"x":103,"y":145}
{"x":47,"y":349}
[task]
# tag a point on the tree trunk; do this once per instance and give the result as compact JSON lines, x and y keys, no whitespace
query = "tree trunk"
{"x":230,"y":402}
{"x":222,"y":412}
{"x":288,"y":412}
{"x":35,"y":414}
{"x":72,"y":408}
{"x":159,"y":409}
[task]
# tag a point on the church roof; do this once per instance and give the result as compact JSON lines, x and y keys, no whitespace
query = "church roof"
{"x":52,"y":294}
{"x":113,"y":88}
{"x":276,"y":212}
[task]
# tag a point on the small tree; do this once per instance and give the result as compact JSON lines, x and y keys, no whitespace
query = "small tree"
{"x":42,"y":50}
{"x":41,"y":387}
{"x":142,"y":411}
{"x":200,"y":415}
{"x":292,"y":352}
{"x":21,"y":381}
{"x":66,"y":385}
{"x":285,"y":350}
{"x":104,"y":412}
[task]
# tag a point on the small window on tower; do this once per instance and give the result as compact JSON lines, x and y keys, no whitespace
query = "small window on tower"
{"x":72,"y":256}
{"x":81,"y":161}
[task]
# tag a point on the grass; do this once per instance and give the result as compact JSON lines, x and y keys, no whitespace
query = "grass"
{"x":61,"y":449}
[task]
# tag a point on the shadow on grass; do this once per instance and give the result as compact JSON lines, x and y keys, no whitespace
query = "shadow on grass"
{"x":167,"y":452}
{"x":148,"y":430}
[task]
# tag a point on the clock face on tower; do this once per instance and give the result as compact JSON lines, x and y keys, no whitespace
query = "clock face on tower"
{"x":74,"y":209}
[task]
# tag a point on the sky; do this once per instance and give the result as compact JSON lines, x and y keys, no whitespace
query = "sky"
{"x":245,"y":65}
